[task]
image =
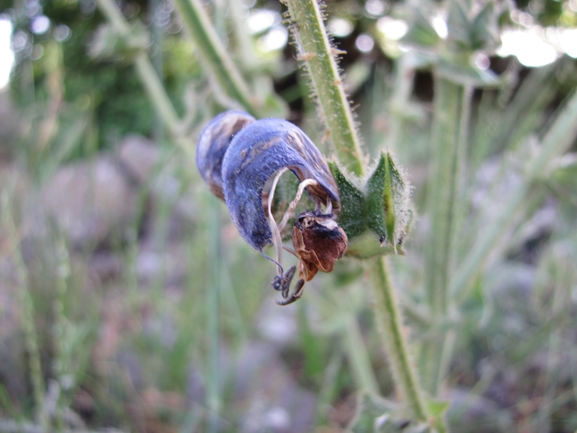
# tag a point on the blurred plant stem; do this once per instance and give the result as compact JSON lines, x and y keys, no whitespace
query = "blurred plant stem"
{"x":318,"y":55}
{"x":214,"y":53}
{"x":556,"y":140}
{"x":144,"y":68}
{"x":389,"y":321}
{"x":213,"y":289}
{"x":450,"y":133}
{"x":30,"y":334}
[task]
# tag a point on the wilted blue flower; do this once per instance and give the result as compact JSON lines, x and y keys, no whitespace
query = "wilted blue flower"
{"x":256,"y":153}
{"x":237,"y":155}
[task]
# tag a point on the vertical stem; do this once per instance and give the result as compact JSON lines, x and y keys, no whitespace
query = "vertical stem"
{"x":319,"y":56}
{"x":389,"y":321}
{"x":30,"y":335}
{"x":442,"y":190}
{"x":403,"y":86}
{"x":213,"y":398}
{"x":157,"y":63}
{"x":450,"y":131}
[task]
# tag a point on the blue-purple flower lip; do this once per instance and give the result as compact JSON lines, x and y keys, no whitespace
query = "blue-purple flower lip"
{"x":255,"y":154}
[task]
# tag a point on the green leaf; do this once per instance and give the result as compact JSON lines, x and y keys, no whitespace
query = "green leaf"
{"x":463,"y":72}
{"x":374,"y":414}
{"x":484,"y":33}
{"x":563,"y":177}
{"x":459,"y":27}
{"x":437,"y":408}
{"x":421,"y":33}
{"x":374,"y":211}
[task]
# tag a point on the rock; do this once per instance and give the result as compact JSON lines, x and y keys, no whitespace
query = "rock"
{"x":91,"y":202}
{"x":139,"y":157}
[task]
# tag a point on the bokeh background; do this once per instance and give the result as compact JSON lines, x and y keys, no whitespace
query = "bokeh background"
{"x":128,"y":301}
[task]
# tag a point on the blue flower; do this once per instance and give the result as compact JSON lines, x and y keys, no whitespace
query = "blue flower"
{"x":237,"y":155}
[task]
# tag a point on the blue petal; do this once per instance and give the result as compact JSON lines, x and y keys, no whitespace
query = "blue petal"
{"x":213,"y":144}
{"x":258,"y":151}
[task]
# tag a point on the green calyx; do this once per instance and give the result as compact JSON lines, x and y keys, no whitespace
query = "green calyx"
{"x":375,"y":212}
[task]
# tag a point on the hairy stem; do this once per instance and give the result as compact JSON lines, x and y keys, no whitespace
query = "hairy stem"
{"x":319,"y":57}
{"x":390,"y":324}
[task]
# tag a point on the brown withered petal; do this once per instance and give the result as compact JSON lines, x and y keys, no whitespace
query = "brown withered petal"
{"x":319,"y":242}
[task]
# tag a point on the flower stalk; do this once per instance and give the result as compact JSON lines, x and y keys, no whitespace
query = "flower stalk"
{"x":319,"y":58}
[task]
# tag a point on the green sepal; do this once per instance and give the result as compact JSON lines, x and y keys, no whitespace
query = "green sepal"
{"x":351,"y":215}
{"x":378,"y":201}
{"x":366,"y":245}
{"x":374,"y":213}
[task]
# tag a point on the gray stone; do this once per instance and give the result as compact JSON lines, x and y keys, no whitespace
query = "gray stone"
{"x":90,"y":201}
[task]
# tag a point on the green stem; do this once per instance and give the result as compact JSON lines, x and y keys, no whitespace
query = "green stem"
{"x":213,"y":398}
{"x":144,"y":69}
{"x":558,"y":138}
{"x":442,"y":190}
{"x":450,"y":133}
{"x":214,"y":53}
{"x":318,"y":55}
{"x":30,"y":335}
{"x":389,"y":321}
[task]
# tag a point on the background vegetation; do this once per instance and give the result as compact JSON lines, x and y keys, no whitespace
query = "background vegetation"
{"x":129,"y":302}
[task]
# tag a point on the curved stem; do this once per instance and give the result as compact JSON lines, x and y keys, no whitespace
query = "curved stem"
{"x":214,"y":53}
